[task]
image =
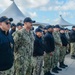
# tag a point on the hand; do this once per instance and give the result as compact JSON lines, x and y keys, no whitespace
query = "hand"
{"x":68,"y":46}
{"x":61,"y":45}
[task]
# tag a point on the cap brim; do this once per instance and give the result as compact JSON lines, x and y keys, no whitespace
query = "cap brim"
{"x":9,"y":19}
{"x":6,"y":20}
{"x":32,"y":21}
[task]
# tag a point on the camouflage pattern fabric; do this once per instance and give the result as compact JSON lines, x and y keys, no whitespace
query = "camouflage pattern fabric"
{"x":56,"y":56}
{"x":23,"y":52}
{"x":67,"y":35}
{"x":58,"y":44}
{"x":8,"y":72}
{"x":37,"y":65}
{"x":52,"y":60}
{"x":73,"y":49}
{"x":47,"y":62}
{"x":62,"y":53}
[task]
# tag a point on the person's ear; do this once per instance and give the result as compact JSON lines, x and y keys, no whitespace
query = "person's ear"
{"x":0,"y":23}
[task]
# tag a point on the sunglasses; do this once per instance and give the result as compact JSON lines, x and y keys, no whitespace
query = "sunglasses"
{"x":7,"y":23}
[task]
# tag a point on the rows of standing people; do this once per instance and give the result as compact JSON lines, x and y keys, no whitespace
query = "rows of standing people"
{"x":28,"y":52}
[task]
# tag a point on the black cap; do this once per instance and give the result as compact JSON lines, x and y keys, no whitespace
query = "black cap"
{"x":53,"y":26}
{"x":4,"y":18}
{"x":73,"y":26}
{"x":66,"y":28}
{"x":62,"y":29}
{"x":56,"y":26}
{"x":32,"y":28}
{"x":13,"y":25}
{"x":19,"y":24}
{"x":40,"y":27}
{"x":45,"y":28}
{"x":38,"y":30}
{"x":28,"y":19}
{"x":49,"y":26}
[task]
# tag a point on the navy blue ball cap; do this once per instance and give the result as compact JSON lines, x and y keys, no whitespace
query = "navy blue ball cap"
{"x":56,"y":26}
{"x":28,"y":19}
{"x":40,"y":27}
{"x":19,"y":24}
{"x":32,"y":28}
{"x":66,"y":29}
{"x":4,"y":19}
{"x":73,"y":26}
{"x":45,"y":28}
{"x":62,"y":29}
{"x":53,"y":26}
{"x":38,"y":30}
{"x":49,"y":26}
{"x":13,"y":25}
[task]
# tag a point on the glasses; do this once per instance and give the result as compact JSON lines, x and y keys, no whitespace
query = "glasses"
{"x":7,"y":23}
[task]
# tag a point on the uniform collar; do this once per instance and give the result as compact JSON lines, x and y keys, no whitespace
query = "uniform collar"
{"x":37,"y":37}
{"x":26,"y":31}
{"x":49,"y":32}
{"x":4,"y":32}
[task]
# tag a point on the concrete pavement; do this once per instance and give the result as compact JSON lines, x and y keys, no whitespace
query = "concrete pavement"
{"x":70,"y":70}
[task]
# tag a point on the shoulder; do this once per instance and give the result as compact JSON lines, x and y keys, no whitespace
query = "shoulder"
{"x":36,"y":40}
{"x":54,"y":33}
{"x":17,"y":35}
{"x":31,"y":32}
{"x":14,"y":33}
{"x":46,"y":36}
{"x":71,"y":33}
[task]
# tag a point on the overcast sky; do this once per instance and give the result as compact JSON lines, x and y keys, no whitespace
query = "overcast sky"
{"x":46,"y":11}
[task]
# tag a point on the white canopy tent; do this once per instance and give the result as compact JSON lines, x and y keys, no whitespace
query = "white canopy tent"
{"x":38,"y":24}
{"x":63,"y":22}
{"x":13,"y":12}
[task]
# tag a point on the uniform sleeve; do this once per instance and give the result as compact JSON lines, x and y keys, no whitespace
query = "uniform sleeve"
{"x":32,"y":43}
{"x":36,"y":45}
{"x":57,"y":38}
{"x":17,"y":40}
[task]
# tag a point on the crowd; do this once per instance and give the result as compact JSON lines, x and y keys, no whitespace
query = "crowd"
{"x":24,"y":51}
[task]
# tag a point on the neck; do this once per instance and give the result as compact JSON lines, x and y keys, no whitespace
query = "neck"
{"x":50,"y":31}
{"x":4,"y":30}
{"x":38,"y":36}
{"x":26,"y":29}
